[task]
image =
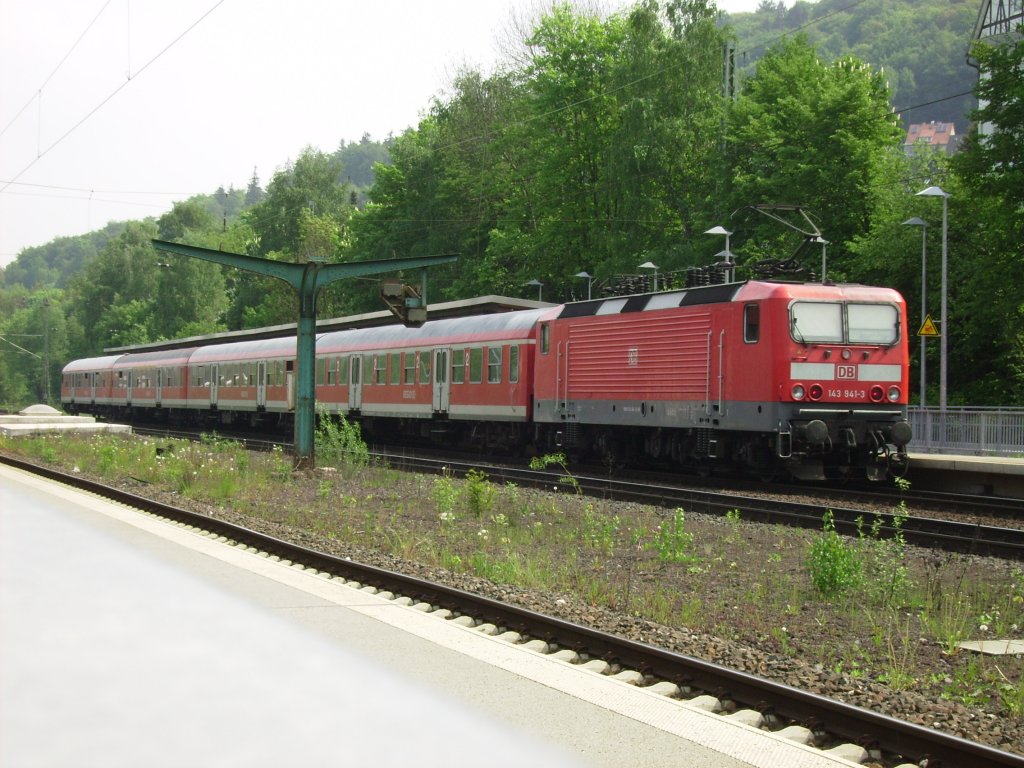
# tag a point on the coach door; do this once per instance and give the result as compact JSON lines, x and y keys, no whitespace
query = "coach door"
{"x":261,"y":385}
{"x":214,"y":383}
{"x":159,"y":386}
{"x":442,"y":384}
{"x":355,"y":383}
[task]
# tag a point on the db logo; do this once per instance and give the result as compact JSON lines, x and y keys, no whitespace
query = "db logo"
{"x":846,"y":371}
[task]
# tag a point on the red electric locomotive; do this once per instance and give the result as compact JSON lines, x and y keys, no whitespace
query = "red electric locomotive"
{"x":804,"y":377}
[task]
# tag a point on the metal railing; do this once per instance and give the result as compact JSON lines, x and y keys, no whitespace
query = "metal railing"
{"x":967,"y":430}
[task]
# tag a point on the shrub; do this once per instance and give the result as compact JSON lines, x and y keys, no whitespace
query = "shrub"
{"x":834,"y":566}
{"x":340,"y":442}
{"x":674,"y":541}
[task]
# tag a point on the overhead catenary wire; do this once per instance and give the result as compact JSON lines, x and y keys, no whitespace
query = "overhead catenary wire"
{"x":130,"y":77}
{"x":38,"y":93}
{"x":482,"y":137}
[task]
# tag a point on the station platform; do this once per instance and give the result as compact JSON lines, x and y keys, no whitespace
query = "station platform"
{"x":127,"y":641}
{"x":42,"y":419}
{"x":981,"y":475}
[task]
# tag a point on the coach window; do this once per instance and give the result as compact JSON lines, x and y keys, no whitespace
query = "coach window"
{"x":380,"y":364}
{"x":752,"y":323}
{"x":409,"y":377}
{"x":513,"y":364}
{"x":545,"y":338}
{"x":343,"y":371}
{"x":424,"y":365}
{"x":396,"y":368}
{"x":476,"y":364}
{"x":321,"y":364}
{"x":494,"y":365}
{"x":458,"y":366}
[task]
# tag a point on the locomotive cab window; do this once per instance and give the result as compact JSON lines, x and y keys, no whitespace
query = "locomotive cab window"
{"x":545,"y":338}
{"x":816,"y":321}
{"x":872,"y":323}
{"x":843,"y":323}
{"x":752,"y":323}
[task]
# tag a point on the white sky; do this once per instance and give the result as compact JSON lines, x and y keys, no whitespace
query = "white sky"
{"x":248,"y":86}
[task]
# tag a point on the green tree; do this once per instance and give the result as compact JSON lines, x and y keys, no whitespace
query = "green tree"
{"x":124,"y":272}
{"x":33,"y":346}
{"x":815,"y":134}
{"x":993,"y":163}
{"x":310,"y":184}
{"x":304,"y":213}
{"x":987,"y":232}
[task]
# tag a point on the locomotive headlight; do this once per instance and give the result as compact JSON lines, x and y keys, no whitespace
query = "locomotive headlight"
{"x":847,"y":354}
{"x":877,"y":394}
{"x":799,"y":392}
{"x":815,"y":391}
{"x":894,"y":394}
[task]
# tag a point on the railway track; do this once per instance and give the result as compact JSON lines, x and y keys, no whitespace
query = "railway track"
{"x":947,"y":535}
{"x":848,"y":730}
{"x":936,"y":533}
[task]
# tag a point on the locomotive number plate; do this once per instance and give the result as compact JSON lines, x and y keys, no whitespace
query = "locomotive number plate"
{"x":855,"y":394}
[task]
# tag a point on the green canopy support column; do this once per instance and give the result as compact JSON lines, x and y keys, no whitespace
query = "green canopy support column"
{"x":307,"y":279}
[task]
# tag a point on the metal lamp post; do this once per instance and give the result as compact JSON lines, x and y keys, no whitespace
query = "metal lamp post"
{"x":916,"y":222}
{"x":651,"y":265}
{"x":943,"y":330}
{"x":824,"y":257}
{"x":540,"y":288}
{"x":590,"y":281}
{"x":730,"y":273}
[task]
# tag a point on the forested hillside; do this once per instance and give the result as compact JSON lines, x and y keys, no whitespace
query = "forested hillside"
{"x":602,"y":144}
{"x":919,"y":45}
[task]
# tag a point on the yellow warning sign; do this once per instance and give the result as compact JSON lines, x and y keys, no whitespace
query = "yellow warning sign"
{"x":928,"y":327}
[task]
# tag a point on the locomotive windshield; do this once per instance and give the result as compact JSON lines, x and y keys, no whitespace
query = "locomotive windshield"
{"x":837,"y":323}
{"x":872,"y":323}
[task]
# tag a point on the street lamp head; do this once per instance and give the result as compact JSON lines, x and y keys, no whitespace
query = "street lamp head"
{"x":718,"y":231}
{"x":535,"y":282}
{"x":933,"y":192}
{"x":584,"y":273}
{"x":648,"y":265}
{"x":914,"y":221}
